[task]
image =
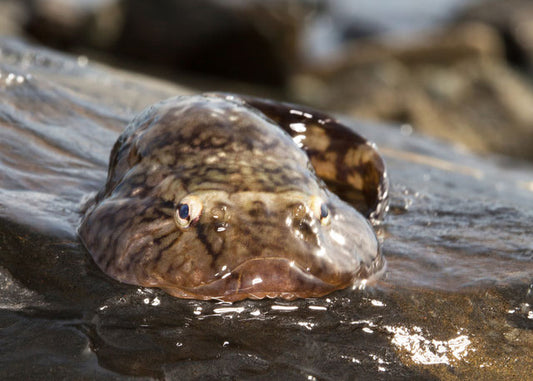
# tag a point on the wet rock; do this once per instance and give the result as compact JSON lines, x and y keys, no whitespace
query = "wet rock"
{"x":512,"y":20}
{"x":12,"y":14}
{"x":453,"y":84}
{"x":455,"y":302}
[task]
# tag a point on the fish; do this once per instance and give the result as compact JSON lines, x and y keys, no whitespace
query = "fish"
{"x":227,"y":197}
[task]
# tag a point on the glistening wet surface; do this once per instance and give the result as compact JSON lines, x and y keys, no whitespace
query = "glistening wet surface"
{"x":206,"y":198}
{"x":455,"y":302}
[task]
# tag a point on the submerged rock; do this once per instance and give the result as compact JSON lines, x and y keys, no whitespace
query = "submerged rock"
{"x":455,"y":302}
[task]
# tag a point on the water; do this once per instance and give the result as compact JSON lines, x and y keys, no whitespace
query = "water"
{"x":455,"y":302}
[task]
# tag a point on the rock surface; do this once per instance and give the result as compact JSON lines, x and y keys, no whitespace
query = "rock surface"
{"x":454,"y":84}
{"x":455,"y":302}
{"x":247,"y":41}
{"x":512,"y":21}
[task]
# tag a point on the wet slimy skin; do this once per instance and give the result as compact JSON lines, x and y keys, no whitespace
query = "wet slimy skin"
{"x":217,"y":196}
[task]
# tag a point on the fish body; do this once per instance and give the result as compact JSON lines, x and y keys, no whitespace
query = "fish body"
{"x":218,"y":196}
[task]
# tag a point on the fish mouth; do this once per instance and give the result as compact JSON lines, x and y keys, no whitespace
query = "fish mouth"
{"x":272,"y":277}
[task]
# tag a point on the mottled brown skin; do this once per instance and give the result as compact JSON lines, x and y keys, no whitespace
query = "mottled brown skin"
{"x":252,"y":164}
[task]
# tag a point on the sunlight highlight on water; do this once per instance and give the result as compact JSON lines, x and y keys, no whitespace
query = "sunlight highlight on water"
{"x":429,"y":351}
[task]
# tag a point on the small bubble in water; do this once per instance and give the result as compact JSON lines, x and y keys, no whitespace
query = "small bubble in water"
{"x":83,"y":61}
{"x":361,"y":285}
{"x":10,"y":78}
{"x":406,"y":129}
{"x":377,"y":303}
{"x":225,"y":310}
{"x":277,"y":307}
{"x":306,"y":324}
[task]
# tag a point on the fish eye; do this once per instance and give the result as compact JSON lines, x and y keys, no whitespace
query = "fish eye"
{"x":183,"y":211}
{"x":320,"y":210}
{"x":188,"y":211}
{"x":324,"y":211}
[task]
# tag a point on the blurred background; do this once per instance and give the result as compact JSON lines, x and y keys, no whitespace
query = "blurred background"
{"x":455,"y":69}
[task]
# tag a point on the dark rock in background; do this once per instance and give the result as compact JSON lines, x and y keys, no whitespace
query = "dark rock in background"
{"x":513,"y":21}
{"x":245,"y":41}
{"x":453,"y":83}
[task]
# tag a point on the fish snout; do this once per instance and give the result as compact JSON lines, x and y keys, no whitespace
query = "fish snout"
{"x":268,"y":277}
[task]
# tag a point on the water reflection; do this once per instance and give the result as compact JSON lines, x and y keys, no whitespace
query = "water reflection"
{"x":10,"y":79}
{"x":267,"y":309}
{"x":425,"y":351}
{"x":318,"y":308}
{"x":226,"y":310}
{"x":283,"y":308}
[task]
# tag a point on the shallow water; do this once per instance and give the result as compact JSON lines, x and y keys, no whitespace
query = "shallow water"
{"x":455,"y":302}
